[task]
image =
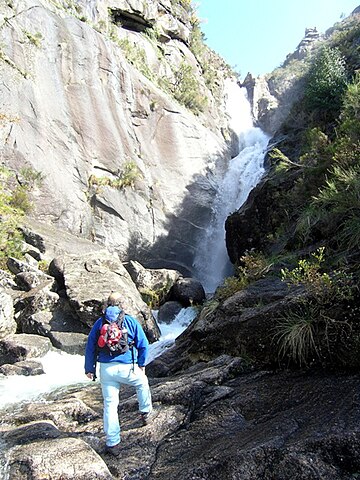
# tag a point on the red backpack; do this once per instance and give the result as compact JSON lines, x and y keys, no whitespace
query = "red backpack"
{"x":114,"y":336}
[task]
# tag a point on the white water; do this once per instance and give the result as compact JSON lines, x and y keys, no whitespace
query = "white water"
{"x":169,"y":332}
{"x":62,"y":369}
{"x":245,"y":170}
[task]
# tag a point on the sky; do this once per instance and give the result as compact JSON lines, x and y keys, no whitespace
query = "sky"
{"x":256,"y":35}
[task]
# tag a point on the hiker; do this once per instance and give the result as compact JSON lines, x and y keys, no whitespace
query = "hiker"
{"x":122,"y":359}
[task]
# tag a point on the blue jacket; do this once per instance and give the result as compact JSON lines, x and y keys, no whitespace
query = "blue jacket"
{"x":136,"y":334}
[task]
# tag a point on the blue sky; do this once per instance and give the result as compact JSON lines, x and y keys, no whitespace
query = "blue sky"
{"x":256,"y":35}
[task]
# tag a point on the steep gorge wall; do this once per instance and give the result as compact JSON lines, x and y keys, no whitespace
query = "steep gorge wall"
{"x":73,"y":108}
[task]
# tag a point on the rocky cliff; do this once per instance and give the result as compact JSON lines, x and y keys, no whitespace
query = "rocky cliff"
{"x":118,"y":107}
{"x":272,"y":95}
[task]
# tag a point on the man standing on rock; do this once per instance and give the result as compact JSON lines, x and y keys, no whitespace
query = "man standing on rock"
{"x":118,"y":342}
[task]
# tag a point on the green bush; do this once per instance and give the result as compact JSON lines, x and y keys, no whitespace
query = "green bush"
{"x":327,"y":81}
{"x":126,"y":178}
{"x":230,"y":286}
{"x":186,"y":89}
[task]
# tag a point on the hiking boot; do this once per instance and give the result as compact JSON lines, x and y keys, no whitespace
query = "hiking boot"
{"x":114,"y":450}
{"x":147,"y":417}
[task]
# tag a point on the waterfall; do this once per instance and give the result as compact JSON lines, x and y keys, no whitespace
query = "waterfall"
{"x":244,"y":171}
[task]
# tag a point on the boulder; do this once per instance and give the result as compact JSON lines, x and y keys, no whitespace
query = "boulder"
{"x":188,"y":292}
{"x":16,"y":266}
{"x":90,"y":278}
{"x":36,"y":300}
{"x":168,"y":311}
{"x":57,"y":458}
{"x":151,"y":278}
{"x":65,"y":331}
{"x":26,"y":368}
{"x":56,"y":270}
{"x":66,"y":413}
{"x":21,"y":346}
{"x":31,"y":432}
{"x":28,"y":280}
{"x":6,"y":280}
{"x":31,"y":250}
{"x":7,"y":321}
{"x":72,"y":343}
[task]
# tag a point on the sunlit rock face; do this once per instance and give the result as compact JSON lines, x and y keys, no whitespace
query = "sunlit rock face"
{"x":272,"y":95}
{"x":122,"y":163}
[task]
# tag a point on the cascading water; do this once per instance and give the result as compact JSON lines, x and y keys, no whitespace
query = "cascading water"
{"x":245,"y":170}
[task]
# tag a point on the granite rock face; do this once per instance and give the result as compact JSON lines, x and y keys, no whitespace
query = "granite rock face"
{"x":76,"y":110}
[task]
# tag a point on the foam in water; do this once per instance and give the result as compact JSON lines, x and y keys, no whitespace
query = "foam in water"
{"x":212,"y":264}
{"x":169,"y":332}
{"x":60,"y":369}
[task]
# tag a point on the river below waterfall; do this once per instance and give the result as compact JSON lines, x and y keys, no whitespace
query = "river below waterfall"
{"x":244,"y":171}
{"x":62,"y":369}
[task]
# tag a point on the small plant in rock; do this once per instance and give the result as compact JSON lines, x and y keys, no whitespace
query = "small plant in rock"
{"x":43,"y":265}
{"x":208,"y":308}
{"x":230,"y":286}
{"x":296,"y":334}
{"x":31,"y":178}
{"x":10,"y":215}
{"x":129,"y":175}
{"x":254,"y":265}
{"x":126,"y":178}
{"x":20,"y":199}
{"x":322,"y":286}
{"x":34,"y":38}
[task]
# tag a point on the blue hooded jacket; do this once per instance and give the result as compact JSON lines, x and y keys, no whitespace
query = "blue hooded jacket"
{"x":136,"y":334}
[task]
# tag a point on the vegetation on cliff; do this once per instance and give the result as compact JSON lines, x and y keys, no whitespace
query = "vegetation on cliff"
{"x":307,"y":209}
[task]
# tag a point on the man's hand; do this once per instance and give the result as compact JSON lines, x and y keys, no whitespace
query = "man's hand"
{"x":90,"y":375}
{"x":142,"y":369}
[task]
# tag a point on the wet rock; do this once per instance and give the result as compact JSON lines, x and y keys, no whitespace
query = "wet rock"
{"x":69,"y":342}
{"x":168,"y":311}
{"x":30,"y":432}
{"x":188,"y":292}
{"x":67,"y":414}
{"x":19,"y":347}
{"x":26,"y":368}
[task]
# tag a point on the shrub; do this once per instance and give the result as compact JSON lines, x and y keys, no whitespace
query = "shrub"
{"x":322,"y":286}
{"x":34,"y":38}
{"x":126,"y":178}
{"x":10,"y":236}
{"x":186,"y":89}
{"x":327,"y":80}
{"x":230,"y":286}
{"x":253,"y":266}
{"x":20,"y":199}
